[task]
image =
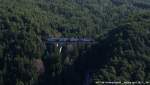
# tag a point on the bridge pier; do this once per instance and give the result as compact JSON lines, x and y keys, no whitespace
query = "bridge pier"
{"x":60,"y":47}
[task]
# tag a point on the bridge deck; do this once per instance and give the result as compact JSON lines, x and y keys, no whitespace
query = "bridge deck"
{"x":70,"y":40}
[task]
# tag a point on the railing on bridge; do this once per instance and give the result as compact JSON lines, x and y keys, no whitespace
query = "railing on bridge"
{"x":70,"y":40}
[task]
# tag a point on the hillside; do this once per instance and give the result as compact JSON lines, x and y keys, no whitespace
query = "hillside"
{"x":121,"y":28}
{"x":124,"y":53}
{"x":71,"y":17}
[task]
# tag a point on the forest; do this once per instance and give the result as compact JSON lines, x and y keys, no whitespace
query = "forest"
{"x":121,"y":29}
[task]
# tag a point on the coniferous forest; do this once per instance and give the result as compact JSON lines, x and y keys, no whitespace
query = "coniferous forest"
{"x":121,"y":29}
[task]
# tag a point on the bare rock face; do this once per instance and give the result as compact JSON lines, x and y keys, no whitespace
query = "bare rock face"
{"x":39,"y":66}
